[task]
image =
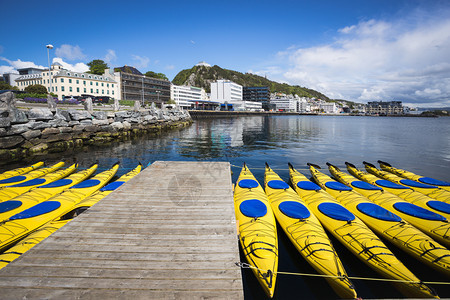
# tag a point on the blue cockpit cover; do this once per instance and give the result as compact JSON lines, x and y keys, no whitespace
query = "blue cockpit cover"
{"x":248,"y":183}
{"x":31,"y":182}
{"x":417,"y":211}
{"x":253,"y":208}
{"x":308,"y":185}
{"x":389,"y":184}
{"x":365,"y":186}
{"x":57,"y":183}
{"x":86,"y":184}
{"x":294,"y":210}
{"x":433,"y":181}
{"x":416,"y":184}
{"x":112,"y":186}
{"x":13,"y":179}
{"x":337,"y":186}
{"x":278,"y":184}
{"x":37,"y":210}
{"x":9,"y":205}
{"x":377,"y":212}
{"x":437,"y":205}
{"x":336,"y":211}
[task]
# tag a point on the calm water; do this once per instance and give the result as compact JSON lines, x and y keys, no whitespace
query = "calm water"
{"x":421,"y":145}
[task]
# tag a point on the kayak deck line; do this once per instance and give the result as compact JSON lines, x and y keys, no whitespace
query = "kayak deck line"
{"x":176,"y":218}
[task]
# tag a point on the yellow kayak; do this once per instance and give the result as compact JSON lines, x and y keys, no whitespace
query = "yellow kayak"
{"x":29,"y":220}
{"x":431,"y":191}
{"x":11,"y":207}
{"x":43,"y":232}
{"x":20,"y":171}
{"x":306,"y":233}
{"x":387,"y":225}
{"x":402,"y":191}
{"x":409,"y":175}
{"x":31,"y":175}
{"x":430,"y":223}
{"x":257,"y":229}
{"x":9,"y":192}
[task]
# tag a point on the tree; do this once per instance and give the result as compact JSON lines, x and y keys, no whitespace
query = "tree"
{"x":5,"y":86}
{"x":97,"y":66}
{"x":36,"y":89}
{"x":156,"y":75}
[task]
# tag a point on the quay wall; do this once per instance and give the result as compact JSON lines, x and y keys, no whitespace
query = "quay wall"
{"x":195,"y":114}
{"x":38,"y":131}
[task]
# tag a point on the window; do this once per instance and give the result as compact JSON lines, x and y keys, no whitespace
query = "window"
{"x":84,"y":82}
{"x":70,"y":89}
{"x":78,"y":89}
{"x":62,"y":89}
{"x":92,"y":90}
{"x":62,"y":79}
{"x":112,"y":92}
{"x":90,"y":76}
{"x":112,"y":85}
{"x":56,"y":88}
{"x":103,"y":91}
{"x":82,"y":75}
{"x":97,"y":91}
{"x":102,"y":83}
{"x":96,"y":83}
{"x":84,"y":90}
{"x":70,"y":80}
{"x":91,"y":82}
{"x":78,"y":81}
{"x":107,"y":85}
{"x":68,"y":74}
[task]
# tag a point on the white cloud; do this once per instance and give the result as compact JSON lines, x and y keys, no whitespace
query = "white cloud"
{"x":406,"y":60}
{"x":19,"y":64}
{"x":78,"y":67}
{"x":70,"y":52}
{"x":7,"y":69}
{"x":142,"y":61}
{"x":110,"y":56}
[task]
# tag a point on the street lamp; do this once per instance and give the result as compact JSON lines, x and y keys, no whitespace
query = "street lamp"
{"x":49,"y":46}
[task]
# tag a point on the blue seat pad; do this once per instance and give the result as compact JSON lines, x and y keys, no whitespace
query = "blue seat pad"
{"x":57,"y":183}
{"x":377,"y":212}
{"x":278,"y":184}
{"x":334,"y":185}
{"x":31,"y":182}
{"x":248,"y":183}
{"x":37,"y":210}
{"x":112,"y":186}
{"x":9,"y":205}
{"x":294,"y":209}
{"x":13,"y":179}
{"x":365,"y":186}
{"x":253,"y":208}
{"x":308,"y":185}
{"x":390,"y":184}
{"x":336,"y":211}
{"x":433,"y":181}
{"x":418,"y":212}
{"x":86,"y":184}
{"x":440,"y":206}
{"x":416,"y":184}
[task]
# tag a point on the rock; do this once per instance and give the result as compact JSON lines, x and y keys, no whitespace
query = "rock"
{"x":17,"y":129}
{"x":79,"y":128}
{"x":28,"y":135}
{"x":2,"y":131}
{"x":121,"y":114}
{"x":73,"y":123}
{"x":38,"y":125}
{"x":49,"y":131}
{"x":126,"y":125}
{"x":18,"y":116}
{"x":39,"y":114}
{"x":134,"y":120}
{"x":66,"y":129}
{"x":78,"y":115}
{"x":58,"y":123}
{"x":100,"y":115}
{"x":62,"y":115}
{"x":117,"y":126}
{"x":116,"y":105}
{"x":39,"y":148}
{"x":137,"y":106}
{"x":91,"y":128}
{"x":58,"y":137}
{"x":86,"y":122}
{"x":7,"y":101}
{"x":10,"y":141}
{"x":51,"y":103}
{"x":88,"y":105}
{"x":100,"y":122}
{"x":5,"y":120}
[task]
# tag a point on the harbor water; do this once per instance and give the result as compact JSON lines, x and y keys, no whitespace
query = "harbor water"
{"x":420,"y":145}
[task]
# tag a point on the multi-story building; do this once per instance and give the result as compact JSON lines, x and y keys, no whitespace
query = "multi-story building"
{"x":226,"y":91}
{"x":257,"y":94}
{"x":385,"y":108}
{"x":10,"y":78}
{"x":69,"y":83}
{"x":284,"y":104}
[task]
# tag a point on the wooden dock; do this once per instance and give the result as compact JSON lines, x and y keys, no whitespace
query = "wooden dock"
{"x":169,"y":233}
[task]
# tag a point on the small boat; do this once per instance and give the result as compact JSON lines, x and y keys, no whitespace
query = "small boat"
{"x":402,"y":191}
{"x":25,"y":222}
{"x":386,"y":225}
{"x":11,"y":191}
{"x":257,"y":229}
{"x":40,"y":194}
{"x":20,"y":171}
{"x":411,"y":176}
{"x":307,"y":234}
{"x":31,"y":175}
{"x":434,"y":225}
{"x":46,"y":230}
{"x":432,"y":191}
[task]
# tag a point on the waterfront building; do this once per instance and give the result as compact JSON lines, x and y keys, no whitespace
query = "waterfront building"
{"x":137,"y":87}
{"x":226,"y":91}
{"x":10,"y":78}
{"x":328,"y":107}
{"x":385,"y":108}
{"x":69,"y":83}
{"x":257,"y":94}
{"x":284,"y":104}
{"x":302,"y":106}
{"x":188,"y":96}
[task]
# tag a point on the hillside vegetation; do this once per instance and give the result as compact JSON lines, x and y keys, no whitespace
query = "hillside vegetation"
{"x":202,"y":76}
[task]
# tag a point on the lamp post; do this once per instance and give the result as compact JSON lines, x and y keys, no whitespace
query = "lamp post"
{"x":49,"y":46}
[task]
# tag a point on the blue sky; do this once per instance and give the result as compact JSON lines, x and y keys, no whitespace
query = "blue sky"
{"x":355,"y":50}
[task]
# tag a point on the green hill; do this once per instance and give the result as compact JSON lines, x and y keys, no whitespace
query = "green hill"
{"x":202,"y":76}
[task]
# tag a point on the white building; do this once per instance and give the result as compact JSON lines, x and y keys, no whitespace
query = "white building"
{"x":284,"y":104}
{"x":302,"y":106}
{"x":329,"y":107}
{"x":226,"y":91}
{"x":185,"y":96}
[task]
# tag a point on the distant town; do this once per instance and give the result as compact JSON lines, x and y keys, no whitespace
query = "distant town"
{"x":129,"y":84}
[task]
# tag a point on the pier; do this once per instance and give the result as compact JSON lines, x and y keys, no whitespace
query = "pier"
{"x":168,"y":233}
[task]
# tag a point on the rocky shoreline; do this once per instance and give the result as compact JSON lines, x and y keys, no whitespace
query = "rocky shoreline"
{"x":38,"y":131}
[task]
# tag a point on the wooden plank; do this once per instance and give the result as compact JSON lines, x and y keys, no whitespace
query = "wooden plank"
{"x":169,"y":232}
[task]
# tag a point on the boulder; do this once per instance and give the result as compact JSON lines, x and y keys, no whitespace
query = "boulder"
{"x":88,"y":105}
{"x":126,"y":125}
{"x":100,"y":115}
{"x":39,"y":114}
{"x":7,"y":101}
{"x":100,"y":122}
{"x":117,"y":126}
{"x":17,"y":129}
{"x":10,"y":141}
{"x":28,"y":135}
{"x":78,"y":115}
{"x":38,"y":125}
{"x":51,"y":103}
{"x":18,"y":116}
{"x":49,"y":131}
{"x":62,"y":115}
